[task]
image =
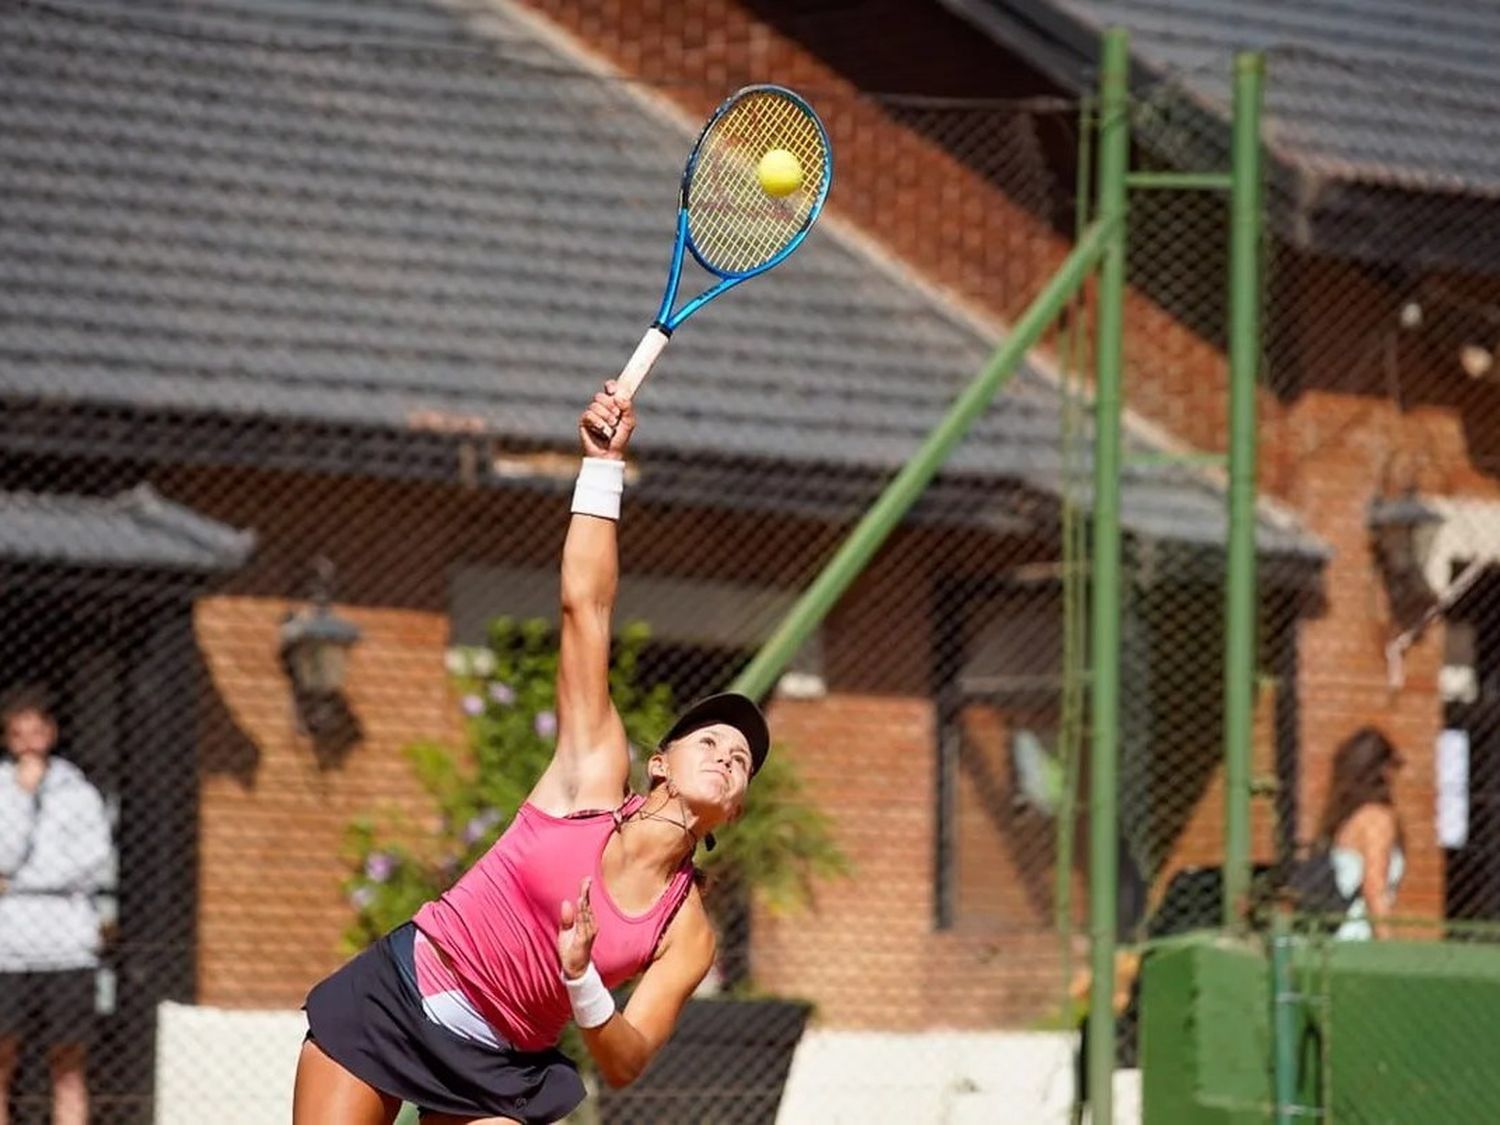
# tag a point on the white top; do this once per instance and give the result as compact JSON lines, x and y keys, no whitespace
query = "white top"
{"x":1349,"y":872}
{"x":54,"y":852}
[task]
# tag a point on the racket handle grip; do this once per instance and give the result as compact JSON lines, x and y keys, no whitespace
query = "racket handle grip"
{"x":641,"y":362}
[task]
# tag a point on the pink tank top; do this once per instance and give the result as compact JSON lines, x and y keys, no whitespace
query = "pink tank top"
{"x":498,"y":924}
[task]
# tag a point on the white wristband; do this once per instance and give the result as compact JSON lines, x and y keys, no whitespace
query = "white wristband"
{"x":601,"y":480}
{"x":592,"y":1003}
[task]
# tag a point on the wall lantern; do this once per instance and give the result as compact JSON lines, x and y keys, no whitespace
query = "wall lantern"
{"x":315,"y":641}
{"x":1403,"y":531}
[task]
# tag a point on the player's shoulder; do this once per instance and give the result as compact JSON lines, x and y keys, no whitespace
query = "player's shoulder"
{"x":691,"y":933}
{"x":1373,"y":821}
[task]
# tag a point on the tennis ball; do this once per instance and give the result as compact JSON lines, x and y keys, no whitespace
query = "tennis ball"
{"x":780,"y":172}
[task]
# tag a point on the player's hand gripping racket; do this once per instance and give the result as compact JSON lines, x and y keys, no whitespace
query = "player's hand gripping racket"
{"x":754,"y":185}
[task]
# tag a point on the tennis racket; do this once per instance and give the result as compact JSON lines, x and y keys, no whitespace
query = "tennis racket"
{"x":732,"y":225}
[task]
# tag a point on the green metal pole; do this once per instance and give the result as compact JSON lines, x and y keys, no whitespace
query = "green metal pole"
{"x":1114,"y":159}
{"x":1075,"y":584}
{"x":1244,"y":363}
{"x":914,"y":476}
{"x":1283,"y":1022}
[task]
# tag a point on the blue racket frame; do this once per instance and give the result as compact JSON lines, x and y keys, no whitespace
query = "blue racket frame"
{"x":666,"y":320}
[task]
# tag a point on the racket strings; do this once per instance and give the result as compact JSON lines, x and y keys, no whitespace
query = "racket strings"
{"x":735,"y":225}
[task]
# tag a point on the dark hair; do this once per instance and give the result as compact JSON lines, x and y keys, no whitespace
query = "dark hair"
{"x":1358,"y":779}
{"x":29,"y":698}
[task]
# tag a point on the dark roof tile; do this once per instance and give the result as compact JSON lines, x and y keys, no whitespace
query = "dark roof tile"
{"x":1394,"y":92}
{"x":136,"y":529}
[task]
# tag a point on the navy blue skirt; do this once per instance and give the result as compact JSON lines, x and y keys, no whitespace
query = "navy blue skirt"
{"x":368,"y":1018}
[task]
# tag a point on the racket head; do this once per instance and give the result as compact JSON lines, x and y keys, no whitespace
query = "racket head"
{"x":734,"y":228}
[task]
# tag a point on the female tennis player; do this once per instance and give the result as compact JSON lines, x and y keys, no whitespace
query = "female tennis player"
{"x":459,"y":1010}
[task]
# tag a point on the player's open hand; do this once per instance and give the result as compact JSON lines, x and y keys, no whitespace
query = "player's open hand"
{"x":575,"y":934}
{"x":605,"y":427}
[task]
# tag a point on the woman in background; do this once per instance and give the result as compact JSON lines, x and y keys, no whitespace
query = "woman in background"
{"x":1363,"y":832}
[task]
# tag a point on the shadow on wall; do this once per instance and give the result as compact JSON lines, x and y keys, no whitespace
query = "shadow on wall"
{"x":224,"y":749}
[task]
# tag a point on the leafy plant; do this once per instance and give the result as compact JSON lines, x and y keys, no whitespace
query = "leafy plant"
{"x":507,"y":691}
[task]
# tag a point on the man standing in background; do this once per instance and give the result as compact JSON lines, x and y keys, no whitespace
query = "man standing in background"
{"x":54,"y":847}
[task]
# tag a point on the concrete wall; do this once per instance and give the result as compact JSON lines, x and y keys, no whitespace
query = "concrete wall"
{"x":236,"y":1068}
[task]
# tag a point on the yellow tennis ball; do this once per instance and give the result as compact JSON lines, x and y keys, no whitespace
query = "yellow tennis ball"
{"x":780,"y":172}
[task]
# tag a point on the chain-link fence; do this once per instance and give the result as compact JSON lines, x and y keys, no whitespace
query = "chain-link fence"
{"x":1371,"y":760}
{"x":301,"y":304}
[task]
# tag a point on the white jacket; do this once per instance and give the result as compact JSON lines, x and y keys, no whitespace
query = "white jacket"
{"x":47,"y":915}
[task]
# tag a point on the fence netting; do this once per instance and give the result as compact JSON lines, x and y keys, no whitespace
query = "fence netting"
{"x":300,"y":307}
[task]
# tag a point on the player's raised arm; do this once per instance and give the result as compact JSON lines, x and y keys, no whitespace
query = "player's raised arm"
{"x":591,"y":765}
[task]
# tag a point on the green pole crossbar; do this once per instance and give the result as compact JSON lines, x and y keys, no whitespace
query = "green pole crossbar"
{"x":1180,"y":181}
{"x":888,"y":511}
{"x":1114,"y":156}
{"x":1147,"y":459}
{"x":1239,"y":599}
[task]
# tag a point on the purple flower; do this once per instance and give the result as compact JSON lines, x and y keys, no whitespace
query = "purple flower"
{"x":472,"y":705}
{"x":502,"y":694}
{"x":361,"y":897}
{"x":545,"y":724}
{"x":479,"y":826}
{"x":378,"y":866}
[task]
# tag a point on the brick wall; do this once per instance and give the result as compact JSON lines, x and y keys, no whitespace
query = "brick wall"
{"x":274,"y":809}
{"x":867,"y":955}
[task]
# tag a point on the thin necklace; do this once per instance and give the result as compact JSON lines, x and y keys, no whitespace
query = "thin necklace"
{"x":688,"y":832}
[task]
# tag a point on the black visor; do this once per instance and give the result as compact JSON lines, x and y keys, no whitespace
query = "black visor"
{"x":731,"y":709}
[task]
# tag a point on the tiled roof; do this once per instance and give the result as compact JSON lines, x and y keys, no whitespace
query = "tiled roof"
{"x":1401,"y":92}
{"x":270,"y":210}
{"x":1382,"y":116}
{"x":136,"y":529}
